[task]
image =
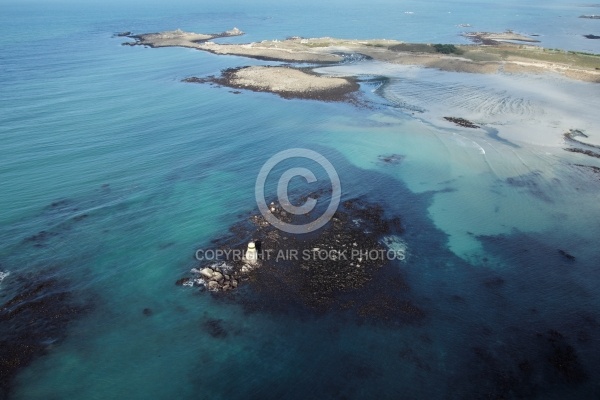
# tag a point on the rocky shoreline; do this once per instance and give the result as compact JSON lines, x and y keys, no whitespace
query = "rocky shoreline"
{"x":491,"y":38}
{"x":465,"y":123}
{"x":176,"y":38}
{"x":571,"y":136}
{"x":328,"y":270}
{"x":492,"y":53}
{"x":272,"y":51}
{"x":286,"y":82}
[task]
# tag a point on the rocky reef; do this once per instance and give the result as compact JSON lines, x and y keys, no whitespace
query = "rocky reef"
{"x":32,"y":320}
{"x":344,"y":266}
{"x":286,"y":82}
{"x":175,"y":38}
{"x":491,"y":38}
{"x":499,"y":51}
{"x":391,"y":159}
{"x":583,"y":151}
{"x":465,"y":123}
{"x":583,"y":147}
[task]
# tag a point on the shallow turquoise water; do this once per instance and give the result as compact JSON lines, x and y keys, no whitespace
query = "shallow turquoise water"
{"x":159,"y":168}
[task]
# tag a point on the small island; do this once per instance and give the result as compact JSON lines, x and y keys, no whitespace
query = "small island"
{"x":284,"y":81}
{"x":492,"y":38}
{"x":176,"y":38}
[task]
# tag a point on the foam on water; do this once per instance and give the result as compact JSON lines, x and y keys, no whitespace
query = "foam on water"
{"x":3,"y":275}
{"x":397,"y":245}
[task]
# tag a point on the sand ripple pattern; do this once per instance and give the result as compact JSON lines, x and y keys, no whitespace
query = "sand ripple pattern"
{"x":477,"y":101}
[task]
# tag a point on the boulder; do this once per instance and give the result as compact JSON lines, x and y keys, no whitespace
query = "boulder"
{"x":207,"y":273}
{"x":234,"y":283}
{"x":212,"y":285}
{"x":217,"y":276}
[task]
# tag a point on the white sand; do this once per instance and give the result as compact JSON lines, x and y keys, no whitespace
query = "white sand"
{"x":524,"y":108}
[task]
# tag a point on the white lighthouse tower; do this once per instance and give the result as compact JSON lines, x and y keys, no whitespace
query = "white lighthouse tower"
{"x":251,"y":253}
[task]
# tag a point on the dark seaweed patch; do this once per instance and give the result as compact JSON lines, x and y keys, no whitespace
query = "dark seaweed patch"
{"x":38,"y":315}
{"x":495,"y":282}
{"x":583,"y":151}
{"x":214,"y":327}
{"x":465,"y":123}
{"x":533,"y":183}
{"x":361,"y":286}
{"x":40,"y":238}
{"x":563,"y":357}
{"x":393,"y":159}
{"x":566,"y":255}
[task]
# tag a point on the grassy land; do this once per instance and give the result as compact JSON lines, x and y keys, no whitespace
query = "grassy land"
{"x":547,"y":55}
{"x":426,"y":48}
{"x":503,"y":52}
{"x":447,"y":49}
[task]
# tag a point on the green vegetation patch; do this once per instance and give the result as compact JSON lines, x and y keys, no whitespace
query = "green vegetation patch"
{"x":447,"y":49}
{"x":413,"y":48}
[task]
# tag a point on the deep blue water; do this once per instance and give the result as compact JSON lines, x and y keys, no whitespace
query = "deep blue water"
{"x":128,"y":171}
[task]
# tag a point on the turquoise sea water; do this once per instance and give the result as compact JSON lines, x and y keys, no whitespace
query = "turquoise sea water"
{"x":128,"y":171}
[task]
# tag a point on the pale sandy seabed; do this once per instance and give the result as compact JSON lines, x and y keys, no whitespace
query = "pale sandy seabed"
{"x":513,"y":172}
{"x":524,"y":98}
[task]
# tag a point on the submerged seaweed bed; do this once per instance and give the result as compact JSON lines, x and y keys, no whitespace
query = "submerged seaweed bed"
{"x":541,"y":346}
{"x":344,"y":266}
{"x":33,"y":320}
{"x":494,"y":299}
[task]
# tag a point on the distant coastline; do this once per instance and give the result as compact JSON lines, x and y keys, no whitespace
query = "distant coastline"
{"x":491,"y":53}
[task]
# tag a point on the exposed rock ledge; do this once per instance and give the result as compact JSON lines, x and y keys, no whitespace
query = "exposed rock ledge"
{"x":493,"y":38}
{"x":177,"y":38}
{"x":494,"y":53}
{"x":289,"y":51}
{"x":286,"y":82}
